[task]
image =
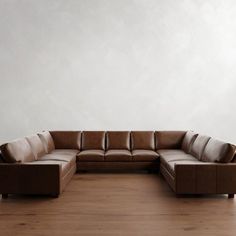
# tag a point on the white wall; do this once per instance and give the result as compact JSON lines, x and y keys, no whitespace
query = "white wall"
{"x":118,"y":65}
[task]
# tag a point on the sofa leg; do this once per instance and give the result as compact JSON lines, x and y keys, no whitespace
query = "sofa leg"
{"x":4,"y":196}
{"x":231,"y":195}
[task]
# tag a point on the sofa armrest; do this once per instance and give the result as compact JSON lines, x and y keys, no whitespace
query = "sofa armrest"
{"x":205,"y":178}
{"x":226,"y":178}
{"x":30,"y":178}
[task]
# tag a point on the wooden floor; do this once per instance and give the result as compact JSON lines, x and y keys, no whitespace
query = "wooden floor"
{"x":118,"y":204}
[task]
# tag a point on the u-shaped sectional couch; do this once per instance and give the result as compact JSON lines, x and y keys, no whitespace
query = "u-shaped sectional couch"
{"x":44,"y":163}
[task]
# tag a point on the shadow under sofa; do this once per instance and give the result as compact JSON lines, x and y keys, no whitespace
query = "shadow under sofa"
{"x":44,"y":163}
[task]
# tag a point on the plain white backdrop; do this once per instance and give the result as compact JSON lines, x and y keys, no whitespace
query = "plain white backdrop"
{"x":118,"y":65}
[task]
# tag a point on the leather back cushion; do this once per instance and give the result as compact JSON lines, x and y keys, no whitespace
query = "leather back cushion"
{"x":189,"y":138}
{"x":47,"y":141}
{"x":169,"y":139}
{"x":199,"y":145}
{"x":217,"y":151}
{"x":93,"y":140}
{"x":36,"y":146}
{"x":142,"y":140}
{"x":1,"y":157}
{"x":17,"y":151}
{"x":234,"y":158}
{"x":118,"y":140}
{"x":66,"y":139}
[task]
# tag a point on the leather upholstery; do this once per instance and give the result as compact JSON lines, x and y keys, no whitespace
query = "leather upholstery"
{"x":64,"y":155}
{"x":68,"y":152}
{"x":66,"y":178}
{"x":203,"y":178}
{"x":217,"y":151}
{"x":93,"y":140}
{"x":61,"y":158}
{"x":118,"y":140}
{"x":189,"y":138}
{"x":91,"y":155}
{"x":169,"y":139}
{"x":184,"y":172}
{"x":142,"y":140}
{"x":170,"y":179}
{"x":170,"y":166}
{"x":174,"y":155}
{"x":123,"y":166}
{"x":30,"y":179}
{"x":66,"y":139}
{"x":36,"y":146}
{"x":191,"y":176}
{"x":17,"y":151}
{"x":1,"y":158}
{"x":65,"y":165}
{"x":199,"y":145}
{"x":118,"y":155}
{"x":226,"y":178}
{"x":145,"y":155}
{"x":170,"y":157}
{"x":234,"y":158}
{"x":47,"y":141}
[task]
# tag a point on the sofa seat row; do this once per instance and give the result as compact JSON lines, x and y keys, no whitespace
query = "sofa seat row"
{"x":202,"y":166}
{"x":45,"y":162}
{"x":169,"y":158}
{"x":117,"y":155}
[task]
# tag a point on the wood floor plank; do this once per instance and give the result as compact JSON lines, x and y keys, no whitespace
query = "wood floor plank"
{"x":118,"y":204}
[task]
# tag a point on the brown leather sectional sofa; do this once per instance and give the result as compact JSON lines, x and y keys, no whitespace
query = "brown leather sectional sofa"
{"x":44,"y":163}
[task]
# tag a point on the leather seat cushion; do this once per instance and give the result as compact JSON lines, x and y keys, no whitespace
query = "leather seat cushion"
{"x":142,"y":140}
{"x":145,"y":155}
{"x":91,"y":155}
{"x":62,"y":155}
{"x":218,"y":151}
{"x":36,"y":146}
{"x":17,"y":151}
{"x":174,"y":155}
{"x":169,"y":139}
{"x":47,"y":141}
{"x":73,"y":152}
{"x":92,"y":140}
{"x":118,"y":155}
{"x":118,"y":140}
{"x":66,"y":139}
{"x":189,"y":138}
{"x":199,"y":145}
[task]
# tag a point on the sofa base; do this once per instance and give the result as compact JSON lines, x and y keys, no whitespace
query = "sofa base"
{"x":230,"y":195}
{"x":118,"y":166}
